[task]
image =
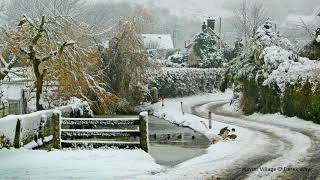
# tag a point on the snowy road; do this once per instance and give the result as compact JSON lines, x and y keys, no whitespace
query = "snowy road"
{"x":268,"y":146}
{"x":292,"y":145}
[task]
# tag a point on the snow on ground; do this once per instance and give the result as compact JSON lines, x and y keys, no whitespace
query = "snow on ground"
{"x":293,"y":122}
{"x":136,"y":164}
{"x":34,"y":144}
{"x":75,"y":164}
{"x":222,"y":155}
{"x":280,"y":125}
{"x":219,"y":155}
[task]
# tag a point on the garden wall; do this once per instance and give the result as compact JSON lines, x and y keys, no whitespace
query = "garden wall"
{"x":34,"y":124}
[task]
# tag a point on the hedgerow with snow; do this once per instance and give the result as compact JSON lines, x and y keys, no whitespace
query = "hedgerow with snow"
{"x":270,"y":73}
{"x":172,"y":82}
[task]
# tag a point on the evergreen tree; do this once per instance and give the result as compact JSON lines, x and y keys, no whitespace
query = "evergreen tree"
{"x":205,"y":49}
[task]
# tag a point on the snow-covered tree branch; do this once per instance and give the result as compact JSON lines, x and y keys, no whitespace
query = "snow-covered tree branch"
{"x":59,"y":49}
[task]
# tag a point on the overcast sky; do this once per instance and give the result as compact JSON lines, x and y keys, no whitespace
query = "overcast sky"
{"x":286,"y":13}
{"x":280,"y":10}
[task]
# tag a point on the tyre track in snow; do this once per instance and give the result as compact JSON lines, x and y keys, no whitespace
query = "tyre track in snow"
{"x":274,"y":152}
{"x":310,"y":160}
{"x":236,"y":171}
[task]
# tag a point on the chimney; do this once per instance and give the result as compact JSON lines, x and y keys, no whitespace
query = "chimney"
{"x":204,"y":27}
{"x":211,"y":23}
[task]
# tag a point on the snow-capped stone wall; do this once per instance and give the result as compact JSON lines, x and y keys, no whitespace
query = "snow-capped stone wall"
{"x":31,"y":123}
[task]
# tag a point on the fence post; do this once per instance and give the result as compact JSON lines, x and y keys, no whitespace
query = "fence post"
{"x":24,"y":101}
{"x":144,"y":137}
{"x":72,"y":113}
{"x":154,"y":95}
{"x":42,"y":127}
{"x":210,"y":120}
{"x":17,"y":136}
{"x":181,"y":103}
{"x":162,"y":101}
{"x":9,"y":107}
{"x":3,"y":109}
{"x":56,"y":125}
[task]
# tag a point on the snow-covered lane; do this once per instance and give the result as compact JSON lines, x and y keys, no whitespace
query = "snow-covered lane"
{"x":220,"y":156}
{"x":263,"y":149}
{"x":293,"y":133}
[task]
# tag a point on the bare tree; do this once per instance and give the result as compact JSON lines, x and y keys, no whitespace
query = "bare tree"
{"x":58,"y":49}
{"x":249,"y":17}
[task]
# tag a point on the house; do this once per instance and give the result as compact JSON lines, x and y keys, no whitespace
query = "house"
{"x":158,"y":41}
{"x":12,"y":92}
{"x":210,"y":28}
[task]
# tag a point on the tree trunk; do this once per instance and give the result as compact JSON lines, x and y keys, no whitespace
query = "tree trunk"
{"x":39,"y":84}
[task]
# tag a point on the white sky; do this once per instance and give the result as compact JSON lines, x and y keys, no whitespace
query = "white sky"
{"x":279,"y":9}
{"x":286,"y":13}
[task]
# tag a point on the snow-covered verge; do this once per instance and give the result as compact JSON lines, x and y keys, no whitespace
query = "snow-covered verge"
{"x":30,"y":123}
{"x":173,"y":82}
{"x":76,"y":164}
{"x":220,"y":155}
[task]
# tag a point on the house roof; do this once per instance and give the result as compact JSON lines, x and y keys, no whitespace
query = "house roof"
{"x":157,"y":41}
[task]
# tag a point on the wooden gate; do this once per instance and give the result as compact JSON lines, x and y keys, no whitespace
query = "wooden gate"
{"x":101,"y":132}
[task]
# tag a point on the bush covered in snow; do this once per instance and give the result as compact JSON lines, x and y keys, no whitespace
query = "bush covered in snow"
{"x":273,"y":78}
{"x":204,"y":47}
{"x":172,"y":82}
{"x":179,"y":58}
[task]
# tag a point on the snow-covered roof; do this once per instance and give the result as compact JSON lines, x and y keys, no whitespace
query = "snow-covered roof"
{"x":157,"y":41}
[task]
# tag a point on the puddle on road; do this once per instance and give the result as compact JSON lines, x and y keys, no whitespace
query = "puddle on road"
{"x":171,"y":144}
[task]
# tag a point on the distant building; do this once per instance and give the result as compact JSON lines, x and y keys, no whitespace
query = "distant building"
{"x":158,"y":41}
{"x":210,"y":28}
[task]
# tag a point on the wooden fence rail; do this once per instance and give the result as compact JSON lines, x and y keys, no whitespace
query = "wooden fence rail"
{"x":100,"y":132}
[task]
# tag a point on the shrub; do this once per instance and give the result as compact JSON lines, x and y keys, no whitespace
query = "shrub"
{"x":4,"y":142}
{"x":173,"y":82}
